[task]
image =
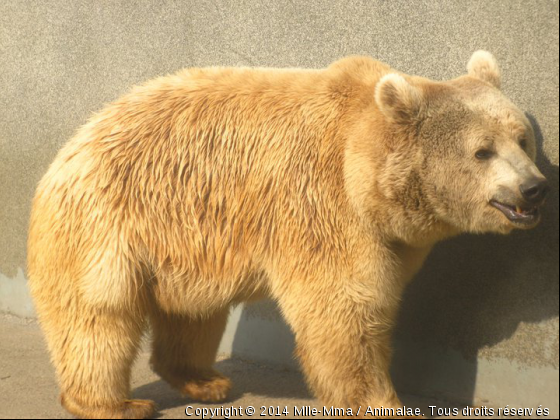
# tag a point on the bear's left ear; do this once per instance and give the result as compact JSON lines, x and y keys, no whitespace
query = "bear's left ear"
{"x":484,"y":66}
{"x":397,"y":99}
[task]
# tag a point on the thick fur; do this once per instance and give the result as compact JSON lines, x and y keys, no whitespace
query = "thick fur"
{"x":322,"y":189}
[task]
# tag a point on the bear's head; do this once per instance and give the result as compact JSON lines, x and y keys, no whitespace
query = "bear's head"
{"x":470,"y":151}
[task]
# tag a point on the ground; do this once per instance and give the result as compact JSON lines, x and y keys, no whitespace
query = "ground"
{"x":28,"y":386}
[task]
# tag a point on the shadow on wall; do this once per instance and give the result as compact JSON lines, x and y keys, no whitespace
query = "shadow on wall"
{"x":472,"y":294}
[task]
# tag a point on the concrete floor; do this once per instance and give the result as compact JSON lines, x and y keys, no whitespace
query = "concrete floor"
{"x":28,"y":387}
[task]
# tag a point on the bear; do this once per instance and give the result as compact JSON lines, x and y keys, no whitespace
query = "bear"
{"x":322,"y":189}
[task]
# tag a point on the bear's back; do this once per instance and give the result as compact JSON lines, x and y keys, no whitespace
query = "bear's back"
{"x":206,"y":169}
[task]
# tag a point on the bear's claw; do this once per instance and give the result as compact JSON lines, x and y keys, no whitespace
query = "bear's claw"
{"x":129,"y":409}
{"x":210,"y":390}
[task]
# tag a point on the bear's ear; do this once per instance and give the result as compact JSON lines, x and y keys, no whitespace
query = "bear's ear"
{"x":397,"y":99}
{"x":484,"y":66}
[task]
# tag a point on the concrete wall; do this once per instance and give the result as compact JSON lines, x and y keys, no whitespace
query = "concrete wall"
{"x":481,"y":321}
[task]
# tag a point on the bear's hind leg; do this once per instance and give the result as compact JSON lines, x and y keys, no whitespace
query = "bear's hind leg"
{"x":93,"y":354}
{"x":184,"y":352}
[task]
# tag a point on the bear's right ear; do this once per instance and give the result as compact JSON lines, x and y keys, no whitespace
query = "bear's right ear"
{"x":397,"y":99}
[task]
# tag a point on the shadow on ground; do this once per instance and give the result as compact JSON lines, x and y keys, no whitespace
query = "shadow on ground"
{"x":257,"y":385}
{"x":249,"y":379}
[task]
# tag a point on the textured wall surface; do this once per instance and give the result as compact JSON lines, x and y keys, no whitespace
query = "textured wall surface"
{"x":480,"y":321}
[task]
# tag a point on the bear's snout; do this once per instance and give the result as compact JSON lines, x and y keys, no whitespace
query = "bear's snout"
{"x":523,"y":208}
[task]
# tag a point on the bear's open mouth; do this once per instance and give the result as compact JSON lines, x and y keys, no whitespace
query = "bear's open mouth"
{"x":517,"y":214}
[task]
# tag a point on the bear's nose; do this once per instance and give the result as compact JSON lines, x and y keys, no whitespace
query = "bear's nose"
{"x":534,"y":190}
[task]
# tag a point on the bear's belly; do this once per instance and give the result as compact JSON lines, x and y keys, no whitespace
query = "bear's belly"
{"x":192,"y":295}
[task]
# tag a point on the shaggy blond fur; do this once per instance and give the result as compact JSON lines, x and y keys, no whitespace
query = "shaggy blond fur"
{"x":320,"y":188}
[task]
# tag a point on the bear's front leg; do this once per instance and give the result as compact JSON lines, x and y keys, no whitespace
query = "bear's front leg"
{"x":343,"y":332}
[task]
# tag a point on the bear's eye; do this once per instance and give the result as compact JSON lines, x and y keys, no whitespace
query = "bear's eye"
{"x":523,"y":144}
{"x":484,"y":154}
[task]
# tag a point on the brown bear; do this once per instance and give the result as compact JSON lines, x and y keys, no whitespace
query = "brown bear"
{"x":322,"y":189}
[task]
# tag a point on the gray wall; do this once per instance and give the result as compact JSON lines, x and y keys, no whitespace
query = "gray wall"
{"x":481,"y":320}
